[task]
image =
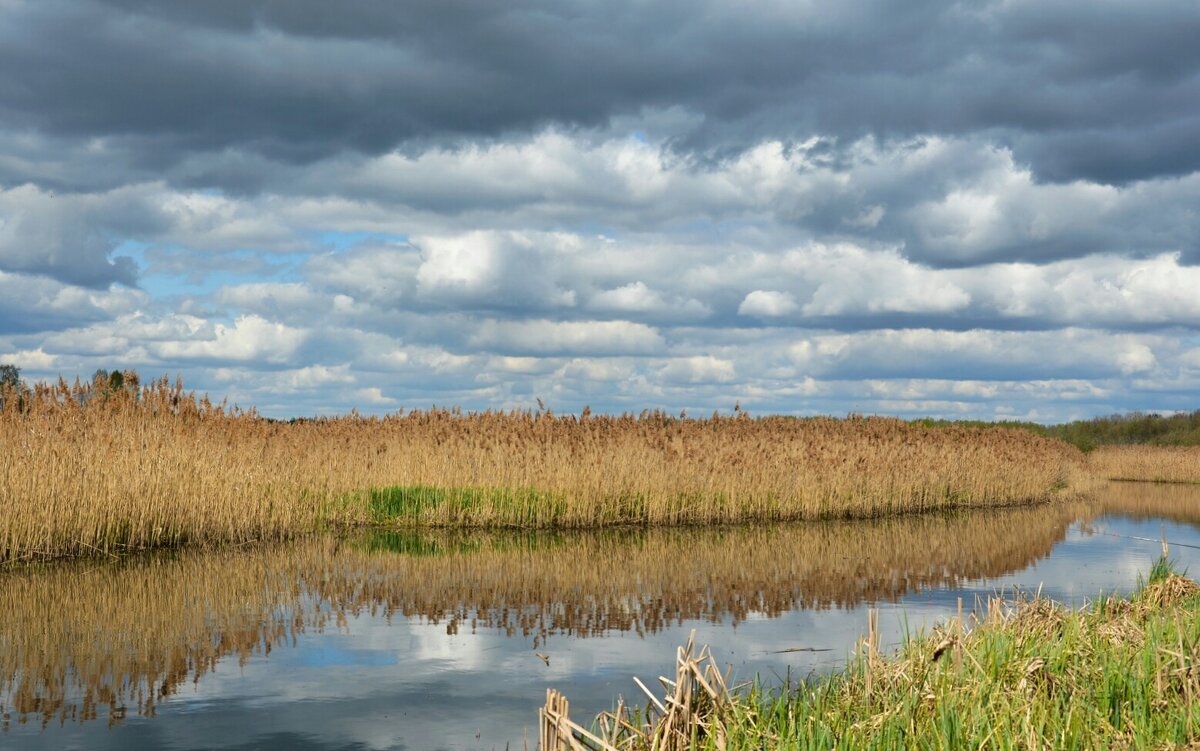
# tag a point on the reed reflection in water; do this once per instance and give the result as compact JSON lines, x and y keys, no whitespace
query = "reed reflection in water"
{"x":83,"y":642}
{"x":1175,"y":502}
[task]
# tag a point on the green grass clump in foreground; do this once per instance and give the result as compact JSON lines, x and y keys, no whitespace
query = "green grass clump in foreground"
{"x":1120,"y":673}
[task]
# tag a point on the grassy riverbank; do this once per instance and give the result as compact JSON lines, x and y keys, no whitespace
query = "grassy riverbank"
{"x":1119,"y":673}
{"x":96,"y":469}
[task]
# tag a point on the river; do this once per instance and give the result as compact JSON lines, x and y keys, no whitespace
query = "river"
{"x":449,"y":641}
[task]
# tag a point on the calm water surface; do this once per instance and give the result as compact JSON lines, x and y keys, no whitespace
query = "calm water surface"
{"x":393,"y":641}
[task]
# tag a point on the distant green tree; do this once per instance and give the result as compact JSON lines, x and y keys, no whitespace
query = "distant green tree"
{"x":10,"y":380}
{"x":106,"y":383}
{"x":10,"y":376}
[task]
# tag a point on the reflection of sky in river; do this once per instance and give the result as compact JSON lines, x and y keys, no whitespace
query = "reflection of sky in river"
{"x":409,"y":684}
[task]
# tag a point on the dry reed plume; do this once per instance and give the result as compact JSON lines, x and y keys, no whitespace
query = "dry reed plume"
{"x":135,"y":633}
{"x":1150,"y":463}
{"x":88,"y":470}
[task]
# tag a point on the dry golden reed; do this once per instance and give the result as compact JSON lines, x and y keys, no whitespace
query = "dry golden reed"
{"x":88,"y":470}
{"x":81,"y":642}
{"x":1150,"y":463}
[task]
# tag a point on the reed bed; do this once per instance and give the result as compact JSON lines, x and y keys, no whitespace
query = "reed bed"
{"x":81,"y":642}
{"x":1147,"y":463}
{"x":1119,"y":673}
{"x":88,"y":469}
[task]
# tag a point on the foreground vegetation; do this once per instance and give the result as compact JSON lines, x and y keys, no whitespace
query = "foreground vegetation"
{"x":1120,"y":673}
{"x":100,"y":468}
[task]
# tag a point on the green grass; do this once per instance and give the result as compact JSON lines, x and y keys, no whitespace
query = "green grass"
{"x":430,"y":506}
{"x":436,"y":506}
{"x":1162,"y":570}
{"x":1118,"y":673}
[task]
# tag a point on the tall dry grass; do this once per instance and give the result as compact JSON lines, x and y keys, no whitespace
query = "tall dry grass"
{"x":81,"y":642}
{"x":88,"y":470}
{"x":1149,"y":463}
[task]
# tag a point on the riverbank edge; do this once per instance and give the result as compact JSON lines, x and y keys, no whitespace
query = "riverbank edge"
{"x":353,"y":512}
{"x":492,"y":508}
{"x":1118,"y":672}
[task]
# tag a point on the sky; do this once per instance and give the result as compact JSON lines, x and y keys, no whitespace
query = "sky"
{"x":986,"y":209}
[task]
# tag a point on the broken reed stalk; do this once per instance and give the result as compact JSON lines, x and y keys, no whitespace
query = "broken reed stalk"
{"x":692,"y":707}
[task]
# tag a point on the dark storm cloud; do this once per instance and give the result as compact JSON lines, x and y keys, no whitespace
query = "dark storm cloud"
{"x":300,"y":81}
{"x":71,"y":238}
{"x":1169,"y":148}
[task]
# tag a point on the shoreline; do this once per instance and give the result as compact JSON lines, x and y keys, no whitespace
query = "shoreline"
{"x":1116,"y":671}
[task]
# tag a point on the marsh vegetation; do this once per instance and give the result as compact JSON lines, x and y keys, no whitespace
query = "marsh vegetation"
{"x":1026,"y":673}
{"x":1146,"y":463}
{"x":103,"y":468}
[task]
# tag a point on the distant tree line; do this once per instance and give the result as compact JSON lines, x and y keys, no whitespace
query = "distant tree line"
{"x":103,"y":381}
{"x":1181,"y":429}
{"x":10,"y":376}
{"x":1132,"y":428}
